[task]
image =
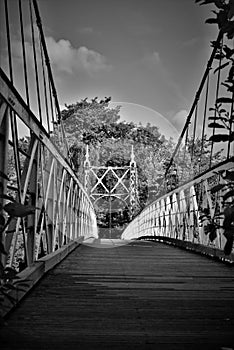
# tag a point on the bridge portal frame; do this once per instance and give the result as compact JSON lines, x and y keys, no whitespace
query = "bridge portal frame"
{"x":129,"y":196}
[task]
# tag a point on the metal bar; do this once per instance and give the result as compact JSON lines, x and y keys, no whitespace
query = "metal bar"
{"x":24,"y":54}
{"x":216,"y":96}
{"x":12,"y":97}
{"x":47,"y":60}
{"x":8,"y":41}
{"x":3,"y":110}
{"x":204,"y":118}
{"x":35,"y":63}
{"x":45,"y":91}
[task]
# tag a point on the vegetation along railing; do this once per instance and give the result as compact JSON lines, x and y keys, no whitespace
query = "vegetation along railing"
{"x":195,"y":205}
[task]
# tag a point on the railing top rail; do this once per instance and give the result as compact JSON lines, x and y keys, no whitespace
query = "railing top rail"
{"x":11,"y":95}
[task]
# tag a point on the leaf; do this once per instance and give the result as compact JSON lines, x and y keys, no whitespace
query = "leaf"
{"x":219,"y":56}
{"x":209,"y":228}
{"x":229,"y":244}
{"x":216,"y":125}
{"x":2,"y":220}
{"x":224,"y":100}
{"x":205,"y":2}
{"x":228,"y":195}
{"x":219,"y":138}
{"x":212,"y":118}
{"x":222,"y":110}
{"x":5,"y":196}
{"x":229,"y":29}
{"x":231,"y":9}
{"x":212,"y":235}
{"x":229,"y":213}
{"x":4,"y":176}
{"x":229,"y":175}
{"x":221,"y":67}
{"x":231,"y":75}
{"x":18,"y":209}
{"x":211,"y":20}
{"x":219,"y":118}
{"x":217,"y":188}
{"x":229,"y":87}
{"x":228,"y":51}
{"x":10,"y":273}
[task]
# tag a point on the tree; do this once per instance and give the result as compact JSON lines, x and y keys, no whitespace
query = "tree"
{"x":110,"y":141}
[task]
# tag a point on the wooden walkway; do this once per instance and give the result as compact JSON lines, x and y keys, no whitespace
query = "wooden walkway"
{"x":142,"y":295}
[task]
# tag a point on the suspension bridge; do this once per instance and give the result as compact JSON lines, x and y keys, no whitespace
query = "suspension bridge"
{"x":168,"y":283}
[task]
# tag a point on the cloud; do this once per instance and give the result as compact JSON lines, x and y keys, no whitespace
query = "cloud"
{"x":69,"y":59}
{"x":64,"y":57}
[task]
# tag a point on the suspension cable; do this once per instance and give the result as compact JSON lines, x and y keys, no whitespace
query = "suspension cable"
{"x":231,"y":127}
{"x":35,"y":63}
{"x":216,"y":96}
{"x":8,"y":42}
{"x":194,"y":134}
{"x":47,"y":61}
{"x":24,"y":53}
{"x":216,"y":45}
{"x":51,"y":105}
{"x":45,"y":89}
{"x":185,"y":149}
{"x":204,"y":119}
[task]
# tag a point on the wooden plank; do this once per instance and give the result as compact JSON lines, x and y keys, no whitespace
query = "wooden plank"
{"x":142,"y":295}
{"x":32,"y":274}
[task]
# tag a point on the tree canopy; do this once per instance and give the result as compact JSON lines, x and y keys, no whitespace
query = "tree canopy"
{"x":110,"y":139}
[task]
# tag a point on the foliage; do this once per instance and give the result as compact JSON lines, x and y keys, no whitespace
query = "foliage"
{"x":110,"y":140}
{"x":224,"y":15}
{"x":223,"y":111}
{"x":8,"y":275}
{"x":222,"y":219}
{"x":223,"y":120}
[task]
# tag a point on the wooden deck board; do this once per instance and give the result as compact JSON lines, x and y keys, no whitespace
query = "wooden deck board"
{"x":143,"y":295}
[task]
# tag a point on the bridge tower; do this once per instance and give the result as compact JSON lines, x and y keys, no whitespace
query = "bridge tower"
{"x":134,"y":199}
{"x":86,"y":169}
{"x":123,"y":187}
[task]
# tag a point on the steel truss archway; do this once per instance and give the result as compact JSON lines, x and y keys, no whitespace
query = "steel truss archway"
{"x":124,"y":187}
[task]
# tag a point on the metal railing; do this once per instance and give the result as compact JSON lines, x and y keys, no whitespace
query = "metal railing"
{"x":195,"y":206}
{"x":191,"y":213}
{"x":43,"y":204}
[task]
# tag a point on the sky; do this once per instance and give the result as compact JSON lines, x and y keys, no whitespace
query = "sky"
{"x":149,"y":56}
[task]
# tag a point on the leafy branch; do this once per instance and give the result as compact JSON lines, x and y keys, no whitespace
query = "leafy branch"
{"x":8,"y":276}
{"x":223,"y":119}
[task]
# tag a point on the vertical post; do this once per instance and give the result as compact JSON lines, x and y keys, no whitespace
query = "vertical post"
{"x":86,"y":169}
{"x":4,"y":132}
{"x":33,"y":189}
{"x":133,"y":185}
{"x":110,"y":223}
